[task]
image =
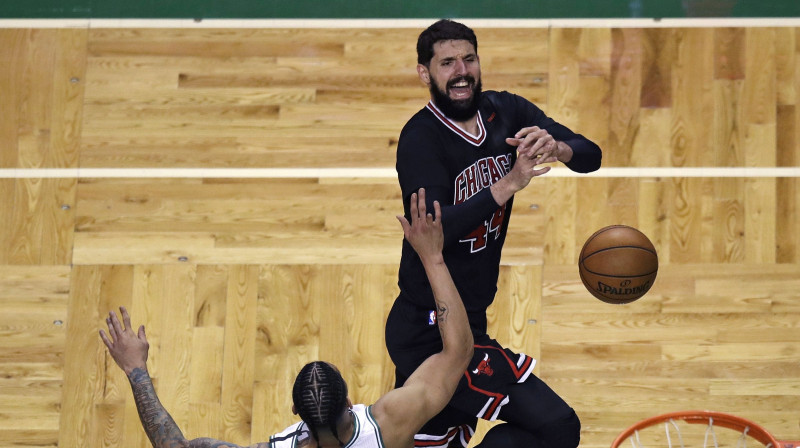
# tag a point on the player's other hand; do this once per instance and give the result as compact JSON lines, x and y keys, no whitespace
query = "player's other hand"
{"x":128,"y":349}
{"x":424,"y":232}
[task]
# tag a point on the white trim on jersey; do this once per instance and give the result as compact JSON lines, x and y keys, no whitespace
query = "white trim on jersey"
{"x":288,"y":438}
{"x":444,"y":440}
{"x":474,"y":140}
{"x":439,"y":440}
{"x":485,"y":407}
{"x":374,"y":423}
{"x":500,"y":406}
{"x":528,"y":372}
{"x":464,"y":441}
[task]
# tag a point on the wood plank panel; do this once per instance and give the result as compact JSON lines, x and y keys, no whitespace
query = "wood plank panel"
{"x":284,"y":344}
{"x":729,"y":221}
{"x":786,"y":129}
{"x":560,"y":227}
{"x":33,"y":309}
{"x":7,"y":187}
{"x":760,"y":202}
{"x":11,"y":53}
{"x":564,"y":79}
{"x":177,"y":306}
{"x":58,"y":221}
{"x":39,"y":222}
{"x":729,"y":124}
{"x":26,"y":231}
{"x":68,"y":95}
{"x":238,"y":362}
{"x":658,"y":48}
{"x":729,"y":58}
{"x":760,"y":91}
{"x":156,"y":222}
{"x":37,"y":94}
{"x":219,"y":42}
{"x":625,"y":85}
{"x":41,"y":81}
{"x":83,"y":365}
{"x":786,"y":232}
{"x":265,"y":90}
{"x":692,"y":79}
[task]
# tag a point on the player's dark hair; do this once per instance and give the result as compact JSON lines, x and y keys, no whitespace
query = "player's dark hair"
{"x":442,"y":30}
{"x":320,"y":397}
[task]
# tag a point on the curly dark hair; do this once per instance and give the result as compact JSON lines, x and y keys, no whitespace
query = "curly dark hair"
{"x":442,"y":30}
{"x":320,"y":397}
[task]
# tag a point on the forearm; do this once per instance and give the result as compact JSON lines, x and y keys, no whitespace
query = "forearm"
{"x":460,"y":219}
{"x":451,"y":315}
{"x":504,"y":189}
{"x":156,"y":421}
{"x":586,"y":155}
{"x":577,"y":152}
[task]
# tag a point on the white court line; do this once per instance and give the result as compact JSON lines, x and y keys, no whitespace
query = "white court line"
{"x":375,"y":173}
{"x":404,"y":23}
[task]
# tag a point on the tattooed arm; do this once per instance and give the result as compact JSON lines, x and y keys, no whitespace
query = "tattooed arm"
{"x":402,"y":412}
{"x":129,"y":351}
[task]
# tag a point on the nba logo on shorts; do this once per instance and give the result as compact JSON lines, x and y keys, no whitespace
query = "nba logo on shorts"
{"x":432,"y":317}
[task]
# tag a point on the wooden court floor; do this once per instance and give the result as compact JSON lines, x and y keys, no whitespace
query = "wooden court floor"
{"x":241,"y":280}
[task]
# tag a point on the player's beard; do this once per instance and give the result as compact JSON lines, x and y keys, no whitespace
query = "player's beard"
{"x":458,"y":110}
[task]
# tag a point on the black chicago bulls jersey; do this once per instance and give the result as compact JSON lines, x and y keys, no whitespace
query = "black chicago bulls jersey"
{"x":457,"y":169}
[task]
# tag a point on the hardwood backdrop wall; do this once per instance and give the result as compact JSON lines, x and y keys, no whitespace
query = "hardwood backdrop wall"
{"x":240,"y":281}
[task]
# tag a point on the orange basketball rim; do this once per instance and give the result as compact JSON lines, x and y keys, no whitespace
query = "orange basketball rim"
{"x":710,"y":418}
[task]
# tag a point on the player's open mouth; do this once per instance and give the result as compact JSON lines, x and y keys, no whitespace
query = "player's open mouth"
{"x":460,"y":88}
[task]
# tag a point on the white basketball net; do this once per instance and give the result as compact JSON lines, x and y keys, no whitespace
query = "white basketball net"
{"x":673,"y":431}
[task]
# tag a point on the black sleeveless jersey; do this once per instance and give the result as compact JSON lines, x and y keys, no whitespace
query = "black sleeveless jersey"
{"x":457,"y":169}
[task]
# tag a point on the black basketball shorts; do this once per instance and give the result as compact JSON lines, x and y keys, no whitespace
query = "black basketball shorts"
{"x":412,"y":336}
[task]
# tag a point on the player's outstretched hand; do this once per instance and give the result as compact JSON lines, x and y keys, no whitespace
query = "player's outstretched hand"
{"x":424,"y":232}
{"x":128,"y":349}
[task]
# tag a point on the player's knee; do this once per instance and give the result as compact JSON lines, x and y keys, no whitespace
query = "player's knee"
{"x":564,"y":432}
{"x":506,"y":435}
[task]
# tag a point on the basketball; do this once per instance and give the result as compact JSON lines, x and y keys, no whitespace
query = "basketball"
{"x":618,"y":264}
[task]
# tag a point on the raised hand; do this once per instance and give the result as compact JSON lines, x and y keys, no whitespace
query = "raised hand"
{"x":425,"y":230}
{"x":128,"y":349}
